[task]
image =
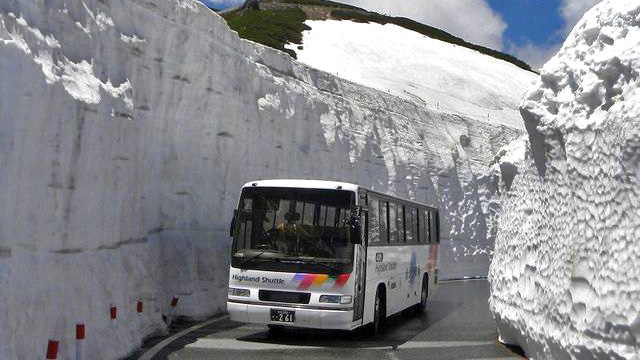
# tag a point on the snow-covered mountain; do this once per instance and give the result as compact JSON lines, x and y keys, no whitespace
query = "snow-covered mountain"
{"x":433,"y":73}
{"x":565,"y":277}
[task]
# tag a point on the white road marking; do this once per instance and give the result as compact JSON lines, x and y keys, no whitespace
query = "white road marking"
{"x":392,"y":355}
{"x":441,"y":344}
{"x":233,"y":344}
{"x":159,"y":346}
{"x":459,"y":280}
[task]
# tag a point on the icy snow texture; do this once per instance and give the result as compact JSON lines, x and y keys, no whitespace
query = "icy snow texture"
{"x":126,"y":130}
{"x":430,"y":72}
{"x":565,"y":277}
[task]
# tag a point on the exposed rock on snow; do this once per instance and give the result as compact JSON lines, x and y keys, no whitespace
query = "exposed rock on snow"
{"x":565,"y":277}
{"x":126,"y":129}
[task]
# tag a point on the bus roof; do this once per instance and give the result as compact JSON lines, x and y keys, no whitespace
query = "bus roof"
{"x":324,"y":184}
{"x":303,"y":184}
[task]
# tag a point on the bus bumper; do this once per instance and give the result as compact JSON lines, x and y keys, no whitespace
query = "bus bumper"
{"x":309,"y":318}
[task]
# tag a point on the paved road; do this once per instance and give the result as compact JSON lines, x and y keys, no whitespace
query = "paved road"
{"x":457,"y":325}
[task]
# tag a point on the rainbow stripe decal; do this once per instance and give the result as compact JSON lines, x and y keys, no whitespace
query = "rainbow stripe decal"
{"x":433,"y":257}
{"x":317,"y":280}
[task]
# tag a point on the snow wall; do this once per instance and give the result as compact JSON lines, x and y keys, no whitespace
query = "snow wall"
{"x":565,"y":276}
{"x":126,"y":130}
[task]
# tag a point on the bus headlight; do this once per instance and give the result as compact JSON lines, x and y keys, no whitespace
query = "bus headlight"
{"x":239,"y":292}
{"x":336,"y":299}
{"x":346,"y":299}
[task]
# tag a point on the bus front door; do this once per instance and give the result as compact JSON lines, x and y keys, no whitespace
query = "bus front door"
{"x":360,"y":272}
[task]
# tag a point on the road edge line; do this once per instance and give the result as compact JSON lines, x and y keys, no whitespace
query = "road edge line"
{"x":149,"y":354}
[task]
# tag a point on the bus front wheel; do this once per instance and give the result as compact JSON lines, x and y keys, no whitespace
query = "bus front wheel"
{"x":379,"y":313}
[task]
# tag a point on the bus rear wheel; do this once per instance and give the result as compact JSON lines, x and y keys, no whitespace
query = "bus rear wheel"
{"x":424,"y":294}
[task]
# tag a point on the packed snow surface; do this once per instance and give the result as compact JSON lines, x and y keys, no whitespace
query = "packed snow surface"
{"x":126,"y":131}
{"x":405,"y":63}
{"x":565,"y":277}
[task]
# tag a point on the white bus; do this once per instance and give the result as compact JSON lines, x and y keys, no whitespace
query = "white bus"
{"x":329,"y":255}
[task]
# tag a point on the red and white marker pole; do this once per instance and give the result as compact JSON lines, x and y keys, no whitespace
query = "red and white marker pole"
{"x":113,"y":314}
{"x":52,"y":350}
{"x":172,"y":309}
{"x":80,"y":336}
{"x":139,"y":309}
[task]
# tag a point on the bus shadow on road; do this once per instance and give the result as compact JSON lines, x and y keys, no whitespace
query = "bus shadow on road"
{"x":399,"y":329}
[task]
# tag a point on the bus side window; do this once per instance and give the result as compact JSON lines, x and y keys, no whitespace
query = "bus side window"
{"x":401,"y":226}
{"x":404,"y":218}
{"x":427,"y":228}
{"x":393,"y":223}
{"x":384,"y":222}
{"x":437,"y":227}
{"x":414,"y":225}
{"x":409,"y":226}
{"x":421,"y":227}
{"x":374,"y":224}
{"x":432,"y":227}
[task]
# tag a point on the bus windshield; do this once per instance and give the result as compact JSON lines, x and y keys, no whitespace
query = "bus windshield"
{"x":293,"y":230}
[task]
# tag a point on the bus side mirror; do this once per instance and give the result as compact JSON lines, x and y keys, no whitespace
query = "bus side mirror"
{"x":233,"y":223}
{"x":356,"y":237}
{"x":355,"y":233}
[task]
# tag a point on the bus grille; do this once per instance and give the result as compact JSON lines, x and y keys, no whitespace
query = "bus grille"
{"x":284,"y":296}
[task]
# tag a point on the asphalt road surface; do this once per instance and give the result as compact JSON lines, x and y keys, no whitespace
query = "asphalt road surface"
{"x":457,"y":325}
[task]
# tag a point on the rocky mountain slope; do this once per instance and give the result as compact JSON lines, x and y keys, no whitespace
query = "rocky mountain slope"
{"x":565,"y":277}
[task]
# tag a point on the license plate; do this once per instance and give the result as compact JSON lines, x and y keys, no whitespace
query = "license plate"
{"x":286,"y":316}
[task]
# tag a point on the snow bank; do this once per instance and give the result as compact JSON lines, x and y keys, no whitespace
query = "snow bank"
{"x":126,"y":130}
{"x":433,"y":73}
{"x":565,"y":277}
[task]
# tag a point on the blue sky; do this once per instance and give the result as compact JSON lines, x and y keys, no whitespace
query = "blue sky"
{"x":529,"y":20}
{"x":532,"y":30}
{"x":221,"y":4}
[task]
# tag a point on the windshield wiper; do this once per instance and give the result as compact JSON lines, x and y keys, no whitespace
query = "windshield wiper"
{"x":252,"y":258}
{"x":312,"y":262}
